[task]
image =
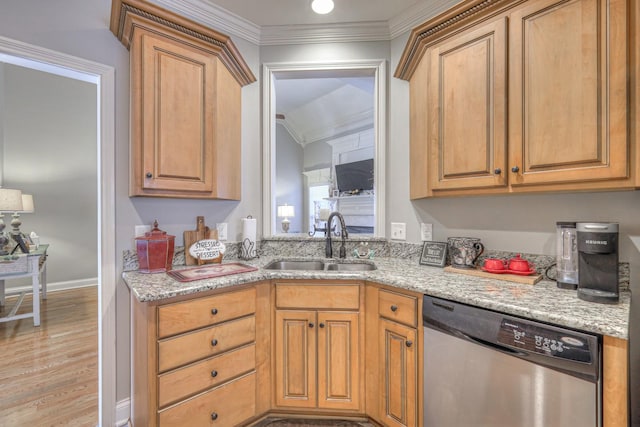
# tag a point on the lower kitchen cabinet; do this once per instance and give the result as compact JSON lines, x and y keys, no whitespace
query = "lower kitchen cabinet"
{"x":398,"y":400}
{"x":317,"y":346}
{"x":195,"y":359}
{"x":394,"y":357}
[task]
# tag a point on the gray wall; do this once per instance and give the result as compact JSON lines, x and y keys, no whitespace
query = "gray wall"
{"x":521,"y":223}
{"x":50,"y":151}
{"x":317,"y":155}
{"x":289,"y":178}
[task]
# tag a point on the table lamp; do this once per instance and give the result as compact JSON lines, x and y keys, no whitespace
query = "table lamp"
{"x":286,"y":212}
{"x":27,"y":207}
{"x":10,"y":201}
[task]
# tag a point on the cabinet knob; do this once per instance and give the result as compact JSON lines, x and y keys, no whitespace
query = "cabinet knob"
{"x":321,"y":325}
{"x":515,"y":169}
{"x":214,"y":311}
{"x":310,"y":324}
{"x":497,"y":171}
{"x":214,"y":342}
{"x":409,"y":343}
{"x":214,"y":416}
{"x":149,"y":175}
{"x":394,"y":308}
{"x":214,"y":373}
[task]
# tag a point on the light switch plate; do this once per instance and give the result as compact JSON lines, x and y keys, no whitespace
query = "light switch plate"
{"x":398,"y":231}
{"x":222,"y":230}
{"x":426,"y":232}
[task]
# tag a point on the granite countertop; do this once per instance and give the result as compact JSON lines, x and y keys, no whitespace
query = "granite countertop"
{"x":543,"y":301}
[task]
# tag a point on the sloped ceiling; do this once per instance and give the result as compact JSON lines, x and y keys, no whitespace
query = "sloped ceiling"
{"x":321,"y":108}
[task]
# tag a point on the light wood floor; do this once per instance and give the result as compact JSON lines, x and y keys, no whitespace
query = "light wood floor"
{"x":49,"y":373}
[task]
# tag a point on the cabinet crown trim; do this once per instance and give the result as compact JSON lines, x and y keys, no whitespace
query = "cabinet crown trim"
{"x":128,"y":14}
{"x":454,"y":18}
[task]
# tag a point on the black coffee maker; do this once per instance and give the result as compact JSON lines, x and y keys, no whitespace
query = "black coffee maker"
{"x":598,"y":262}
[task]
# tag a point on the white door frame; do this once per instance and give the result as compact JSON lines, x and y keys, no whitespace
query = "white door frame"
{"x":103,"y":77}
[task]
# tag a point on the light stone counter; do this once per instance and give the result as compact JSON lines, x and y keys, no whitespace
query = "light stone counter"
{"x":542,"y":301}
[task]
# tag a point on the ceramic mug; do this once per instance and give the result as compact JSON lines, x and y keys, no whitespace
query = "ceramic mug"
{"x":464,"y":251}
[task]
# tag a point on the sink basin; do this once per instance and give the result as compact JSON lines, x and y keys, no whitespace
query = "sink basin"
{"x":351,"y":266}
{"x":295,"y":265}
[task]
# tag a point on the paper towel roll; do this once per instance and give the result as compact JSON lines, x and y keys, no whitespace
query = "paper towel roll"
{"x":249,"y":226}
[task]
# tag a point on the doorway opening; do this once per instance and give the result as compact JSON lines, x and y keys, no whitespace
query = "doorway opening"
{"x":103,"y":77}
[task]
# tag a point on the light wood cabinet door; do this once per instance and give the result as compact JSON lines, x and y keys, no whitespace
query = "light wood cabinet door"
{"x":466,"y":110}
{"x":568,"y":92}
{"x":338,"y":360}
{"x":174,"y":101}
{"x":399,"y":392}
{"x":295,"y":358}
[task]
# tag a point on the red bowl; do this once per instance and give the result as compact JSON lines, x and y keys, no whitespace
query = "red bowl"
{"x":494,"y":264}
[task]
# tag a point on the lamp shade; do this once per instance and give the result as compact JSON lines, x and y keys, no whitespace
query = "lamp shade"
{"x":27,"y":203}
{"x":10,"y":200}
{"x":286,"y":211}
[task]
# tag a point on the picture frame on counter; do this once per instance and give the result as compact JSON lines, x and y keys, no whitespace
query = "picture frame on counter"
{"x":434,"y":254}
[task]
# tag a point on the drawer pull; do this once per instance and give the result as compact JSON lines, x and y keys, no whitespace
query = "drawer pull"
{"x":214,"y":373}
{"x":409,"y":343}
{"x":214,"y":416}
{"x":394,"y":308}
{"x":214,"y":311}
{"x":310,"y":324}
{"x":214,"y":342}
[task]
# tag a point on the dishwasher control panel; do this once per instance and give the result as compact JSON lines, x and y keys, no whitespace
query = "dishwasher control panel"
{"x":545,"y":341}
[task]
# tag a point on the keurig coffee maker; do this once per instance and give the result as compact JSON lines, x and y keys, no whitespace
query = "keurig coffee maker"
{"x":598,"y":262}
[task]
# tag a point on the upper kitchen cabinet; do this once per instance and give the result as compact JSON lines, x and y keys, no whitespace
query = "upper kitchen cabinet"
{"x":186,"y":83}
{"x":519,"y":96}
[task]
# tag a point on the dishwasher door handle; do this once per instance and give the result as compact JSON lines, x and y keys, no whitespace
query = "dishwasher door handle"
{"x":479,"y":341}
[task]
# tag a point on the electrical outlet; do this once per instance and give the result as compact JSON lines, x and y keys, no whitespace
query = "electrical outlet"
{"x":141,"y":229}
{"x":222,"y":230}
{"x":426,"y":232}
{"x":398,"y":231}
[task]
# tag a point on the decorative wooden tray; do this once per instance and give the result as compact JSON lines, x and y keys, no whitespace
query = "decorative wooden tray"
{"x":209,"y":271}
{"x":528,"y":280}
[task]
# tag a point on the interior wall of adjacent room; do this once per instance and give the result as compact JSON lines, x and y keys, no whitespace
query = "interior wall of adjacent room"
{"x":50,"y":151}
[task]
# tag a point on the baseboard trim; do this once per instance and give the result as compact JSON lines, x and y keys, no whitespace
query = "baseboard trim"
{"x":55,"y":286}
{"x":123,"y":412}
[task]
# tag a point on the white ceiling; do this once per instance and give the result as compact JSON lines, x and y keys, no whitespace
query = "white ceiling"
{"x":273,"y":22}
{"x":315,"y":109}
{"x":298,"y":12}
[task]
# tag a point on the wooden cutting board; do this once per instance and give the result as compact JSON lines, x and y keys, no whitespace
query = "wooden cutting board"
{"x":528,"y":280}
{"x":201,"y":232}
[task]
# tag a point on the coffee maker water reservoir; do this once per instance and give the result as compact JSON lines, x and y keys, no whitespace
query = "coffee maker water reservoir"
{"x":598,"y":262}
{"x":566,"y":255}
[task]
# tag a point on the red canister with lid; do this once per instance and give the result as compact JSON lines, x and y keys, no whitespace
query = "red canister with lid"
{"x":155,"y":250}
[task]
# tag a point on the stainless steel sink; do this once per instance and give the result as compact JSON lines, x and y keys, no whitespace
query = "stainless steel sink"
{"x":351,"y":266}
{"x":312,"y":265}
{"x":295,"y":265}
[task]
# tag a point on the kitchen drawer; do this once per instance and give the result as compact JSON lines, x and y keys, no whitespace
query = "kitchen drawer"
{"x":225,"y":406}
{"x":193,"y":346}
{"x":398,"y":307}
{"x":320,"y":296}
{"x":189,"y":315}
{"x":192,"y":379}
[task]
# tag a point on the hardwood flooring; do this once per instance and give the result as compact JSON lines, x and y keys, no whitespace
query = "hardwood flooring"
{"x":49,"y":373}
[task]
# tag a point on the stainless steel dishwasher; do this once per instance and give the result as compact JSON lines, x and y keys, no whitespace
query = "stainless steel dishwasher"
{"x":487,"y":369}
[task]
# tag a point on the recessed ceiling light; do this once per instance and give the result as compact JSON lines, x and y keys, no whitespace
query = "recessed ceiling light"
{"x":322,"y":7}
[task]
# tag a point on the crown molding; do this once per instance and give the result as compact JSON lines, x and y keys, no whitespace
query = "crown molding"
{"x":333,"y":33}
{"x":287,"y":126}
{"x":416,"y":15}
{"x":214,"y":16}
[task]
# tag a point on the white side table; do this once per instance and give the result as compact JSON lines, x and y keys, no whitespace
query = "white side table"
{"x":37,"y":270}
